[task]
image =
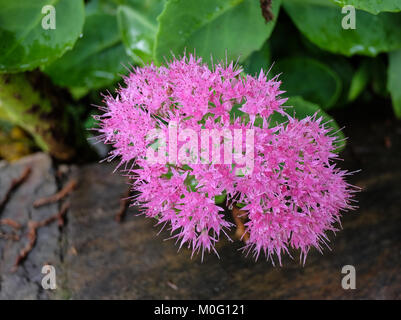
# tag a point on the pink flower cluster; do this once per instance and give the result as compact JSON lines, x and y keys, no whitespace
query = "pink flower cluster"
{"x":295,"y":193}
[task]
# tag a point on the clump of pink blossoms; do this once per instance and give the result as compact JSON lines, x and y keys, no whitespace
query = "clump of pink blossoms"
{"x":293,"y":196}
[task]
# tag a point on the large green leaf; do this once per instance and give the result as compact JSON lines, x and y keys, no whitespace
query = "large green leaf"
{"x":309,"y":78}
{"x":98,"y":58}
{"x":138,"y":26}
{"x":300,"y":109}
{"x":394,"y":81}
{"x":212,"y":27}
{"x":320,"y":22}
{"x":149,"y":8}
{"x":372,"y":6}
{"x":25,"y":44}
{"x":101,"y":6}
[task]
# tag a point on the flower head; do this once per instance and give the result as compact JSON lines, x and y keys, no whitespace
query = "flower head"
{"x":293,"y":194}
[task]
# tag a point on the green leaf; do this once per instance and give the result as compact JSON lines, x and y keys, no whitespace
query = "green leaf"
{"x":309,"y":78}
{"x":138,"y":33}
{"x":394,"y":81}
{"x":149,"y":8}
{"x":372,"y":6}
{"x":360,"y":80}
{"x":98,"y":58}
{"x":286,"y":42}
{"x":212,"y":27}
{"x":101,"y":6}
{"x":344,"y":69}
{"x":220,"y":199}
{"x":25,"y":44}
{"x":300,"y":109}
{"x":321,"y":23}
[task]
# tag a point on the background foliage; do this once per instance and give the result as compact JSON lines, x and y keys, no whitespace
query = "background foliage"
{"x":322,"y":66}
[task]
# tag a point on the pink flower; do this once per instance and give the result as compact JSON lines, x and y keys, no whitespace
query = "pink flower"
{"x":293,"y":196}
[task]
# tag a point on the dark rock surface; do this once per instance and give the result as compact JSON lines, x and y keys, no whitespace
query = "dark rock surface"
{"x":97,"y":258}
{"x":25,"y":283}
